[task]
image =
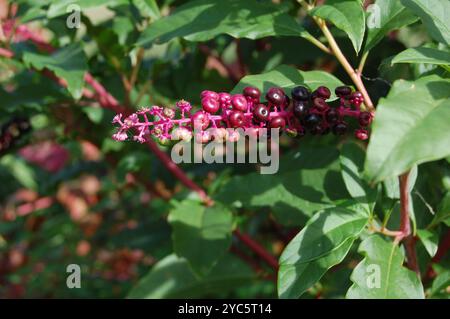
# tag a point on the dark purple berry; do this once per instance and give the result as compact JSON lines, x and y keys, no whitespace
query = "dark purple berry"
{"x":277,"y":122}
{"x":332,"y":116}
{"x":287,"y":100}
{"x":343,"y":91}
{"x":239,"y":102}
{"x":300,"y":109}
{"x":261,"y":113}
{"x":210,"y":105}
{"x":340,"y":128}
{"x":252,"y":93}
{"x":365,"y":118}
{"x":200,"y":120}
{"x":323,"y":92}
{"x":320,"y":104}
{"x":275,"y":96}
{"x":236,"y":119}
{"x":300,"y":93}
{"x":312,"y":120}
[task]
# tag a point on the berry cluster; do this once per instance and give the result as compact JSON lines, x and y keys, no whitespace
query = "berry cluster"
{"x":12,"y":131}
{"x":303,"y":112}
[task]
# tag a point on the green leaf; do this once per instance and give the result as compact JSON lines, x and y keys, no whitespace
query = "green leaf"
{"x":441,"y":282}
{"x":202,"y":20}
{"x":380,"y":275}
{"x":201,"y":234}
{"x":287,"y":78}
{"x":172,"y":277}
{"x":385,"y":16}
{"x":295,"y":279}
{"x":430,"y":240}
{"x":443,"y":211}
{"x":414,"y":113}
{"x":60,"y":7}
{"x":21,"y":171}
{"x":324,"y":232}
{"x":434,"y":14}
{"x":148,"y":8}
{"x":308,"y":180}
{"x":352,"y":164}
{"x":347,"y":15}
{"x":423,"y":55}
{"x":68,"y":63}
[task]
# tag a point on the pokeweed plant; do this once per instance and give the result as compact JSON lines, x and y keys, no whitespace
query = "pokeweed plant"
{"x":362,"y":215}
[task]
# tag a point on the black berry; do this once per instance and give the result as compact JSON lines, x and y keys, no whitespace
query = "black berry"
{"x":300,"y":109}
{"x":340,"y":128}
{"x":312,"y":120}
{"x":365,"y":118}
{"x":332,"y":116}
{"x":320,"y":104}
{"x":343,"y":91}
{"x":300,"y":93}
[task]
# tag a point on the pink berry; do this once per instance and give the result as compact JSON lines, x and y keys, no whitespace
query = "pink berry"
{"x":277,"y":122}
{"x":252,"y":93}
{"x":236,"y":119}
{"x":210,"y":105}
{"x":239,"y":102}
{"x":200,"y":120}
{"x":202,"y":137}
{"x":210,"y":94}
{"x":362,"y":134}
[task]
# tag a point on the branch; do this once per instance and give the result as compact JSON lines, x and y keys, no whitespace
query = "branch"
{"x":405,"y":225}
{"x":257,"y":249}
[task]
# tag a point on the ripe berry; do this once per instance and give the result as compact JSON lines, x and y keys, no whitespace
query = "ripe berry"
{"x":362,"y":134}
{"x":365,"y":118}
{"x":357,"y":98}
{"x":340,"y":128}
{"x":300,"y":109}
{"x":210,"y":94}
{"x":300,"y":93}
{"x":200,"y":120}
{"x":252,"y":92}
{"x":275,"y":96}
{"x":343,"y":91}
{"x":261,"y":113}
{"x":320,"y":104}
{"x":277,"y":122}
{"x":312,"y":120}
{"x":287,"y":100}
{"x":210,"y":105}
{"x":224,"y":99}
{"x":332,"y":116}
{"x":323,"y":92}
{"x":236,"y":119}
{"x":239,"y":102}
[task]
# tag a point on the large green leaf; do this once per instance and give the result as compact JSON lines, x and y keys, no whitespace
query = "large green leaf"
{"x":423,"y":55}
{"x":323,"y":233}
{"x":380,"y":275}
{"x":288,"y":77}
{"x":60,"y":7}
{"x":172,"y":278}
{"x":434,"y":14}
{"x":308,"y":180}
{"x":202,"y":20}
{"x":201,"y":234}
{"x":352,"y":165}
{"x":411,"y":127}
{"x":148,"y":8}
{"x":385,"y":16}
{"x":295,"y":279}
{"x":347,"y":15}
{"x":68,"y":63}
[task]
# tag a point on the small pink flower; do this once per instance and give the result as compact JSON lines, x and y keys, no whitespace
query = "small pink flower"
{"x":139,"y":138}
{"x":184,"y":106}
{"x":117,"y":118}
{"x":120,"y":136}
{"x":131,"y":120}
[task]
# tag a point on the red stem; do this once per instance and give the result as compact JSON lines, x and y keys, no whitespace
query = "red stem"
{"x":405,"y":225}
{"x":258,"y":249}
